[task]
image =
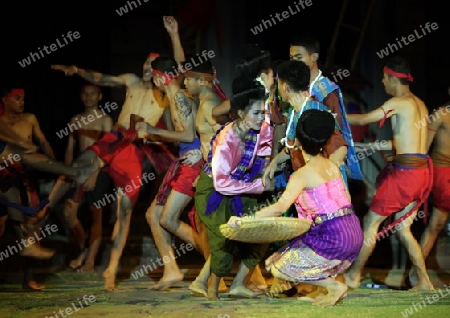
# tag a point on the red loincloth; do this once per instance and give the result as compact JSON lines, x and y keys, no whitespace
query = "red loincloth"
{"x":124,"y":153}
{"x":407,"y":178}
{"x":441,"y":182}
{"x":179,"y":178}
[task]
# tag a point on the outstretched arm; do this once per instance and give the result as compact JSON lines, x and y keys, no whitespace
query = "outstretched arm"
{"x":96,"y":77}
{"x":293,"y":190}
{"x":171,"y":25}
{"x":386,"y":110}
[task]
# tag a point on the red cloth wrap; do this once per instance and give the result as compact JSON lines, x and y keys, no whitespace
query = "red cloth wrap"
{"x":399,"y":186}
{"x":124,"y":154}
{"x":441,"y":181}
{"x":179,"y":178}
{"x":441,"y":188}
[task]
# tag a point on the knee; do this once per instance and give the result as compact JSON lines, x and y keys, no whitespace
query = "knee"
{"x":168,"y":223}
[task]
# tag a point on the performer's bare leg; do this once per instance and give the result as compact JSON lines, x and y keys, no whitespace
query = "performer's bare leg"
{"x":237,"y":287}
{"x":371,"y":224}
{"x":120,"y":233}
{"x":199,"y":286}
{"x":41,"y":162}
{"x":170,"y":219}
{"x":171,"y":271}
{"x":213,"y":289}
{"x":18,"y":219}
{"x":89,"y":161}
{"x":414,"y":251}
{"x":95,"y":238}
{"x":436,"y":224}
{"x":71,"y":217}
{"x":203,"y":237}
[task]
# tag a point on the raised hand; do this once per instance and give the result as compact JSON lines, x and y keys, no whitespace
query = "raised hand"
{"x":171,"y":24}
{"x":68,"y":70}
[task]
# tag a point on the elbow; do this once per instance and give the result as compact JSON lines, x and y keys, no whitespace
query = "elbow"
{"x":188,"y":138}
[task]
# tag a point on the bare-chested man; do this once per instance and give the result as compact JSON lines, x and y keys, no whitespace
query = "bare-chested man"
{"x":408,"y":181}
{"x":94,"y":189}
{"x":201,"y":83}
{"x":14,"y":174}
{"x":439,"y":135}
{"x":123,"y":151}
{"x":177,"y":188}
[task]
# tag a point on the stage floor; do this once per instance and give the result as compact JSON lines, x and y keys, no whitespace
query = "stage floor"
{"x":65,"y":290}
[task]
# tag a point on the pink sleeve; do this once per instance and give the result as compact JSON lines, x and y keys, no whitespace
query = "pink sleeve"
{"x":265,"y":140}
{"x":224,"y":162}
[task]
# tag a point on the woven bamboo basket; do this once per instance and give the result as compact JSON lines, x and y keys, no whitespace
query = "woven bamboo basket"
{"x":266,"y":230}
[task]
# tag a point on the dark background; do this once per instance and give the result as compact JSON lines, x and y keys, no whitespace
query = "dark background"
{"x":115,"y":44}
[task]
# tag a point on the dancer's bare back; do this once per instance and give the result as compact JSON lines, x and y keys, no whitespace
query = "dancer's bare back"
{"x":408,"y":136}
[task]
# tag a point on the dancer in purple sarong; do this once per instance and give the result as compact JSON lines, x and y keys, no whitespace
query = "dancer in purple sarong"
{"x":320,"y":195}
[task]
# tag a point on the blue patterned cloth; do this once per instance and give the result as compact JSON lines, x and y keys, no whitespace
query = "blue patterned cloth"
{"x":321,"y":92}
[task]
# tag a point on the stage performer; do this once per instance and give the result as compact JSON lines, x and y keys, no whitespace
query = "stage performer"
{"x":306,"y":48}
{"x":177,"y":189}
{"x":439,"y":135}
{"x":122,"y":151}
{"x":228,"y":185}
{"x":406,"y":181}
{"x":335,"y":237}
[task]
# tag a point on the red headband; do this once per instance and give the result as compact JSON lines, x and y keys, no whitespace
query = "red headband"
{"x":154,"y":55}
{"x":167,"y":76}
{"x":14,"y":92}
{"x":397,"y":74}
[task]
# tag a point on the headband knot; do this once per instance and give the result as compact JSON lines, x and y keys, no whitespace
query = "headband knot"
{"x":398,"y":74}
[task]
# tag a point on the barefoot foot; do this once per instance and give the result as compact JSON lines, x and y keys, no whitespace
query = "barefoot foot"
{"x":198,"y":289}
{"x":212,"y":295}
{"x":38,"y":252}
{"x":79,"y":260}
{"x":242,"y":292}
{"x":335,"y":293}
{"x":352,"y":281}
{"x":33,"y":286}
{"x":167,"y":281}
{"x":88,"y":267}
{"x":110,"y":279}
{"x":423,"y":286}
